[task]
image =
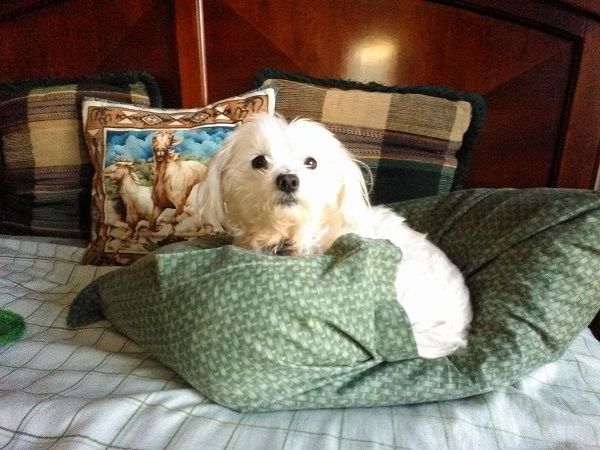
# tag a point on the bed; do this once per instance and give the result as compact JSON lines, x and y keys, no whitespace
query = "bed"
{"x":95,"y":388}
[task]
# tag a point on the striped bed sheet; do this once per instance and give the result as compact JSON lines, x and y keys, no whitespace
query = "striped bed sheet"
{"x":95,"y":388}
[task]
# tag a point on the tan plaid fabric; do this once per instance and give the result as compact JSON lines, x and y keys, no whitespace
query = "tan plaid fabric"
{"x":46,"y":170}
{"x":409,"y":141}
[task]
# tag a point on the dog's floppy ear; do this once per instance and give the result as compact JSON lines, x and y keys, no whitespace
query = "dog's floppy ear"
{"x":209,"y":199}
{"x":353,"y":197}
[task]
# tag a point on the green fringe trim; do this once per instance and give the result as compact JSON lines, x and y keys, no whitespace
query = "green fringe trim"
{"x":477,"y":104}
{"x":11,"y":88}
{"x":12,"y":326}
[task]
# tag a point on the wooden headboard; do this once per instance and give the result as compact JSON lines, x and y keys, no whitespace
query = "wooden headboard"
{"x":535,"y":62}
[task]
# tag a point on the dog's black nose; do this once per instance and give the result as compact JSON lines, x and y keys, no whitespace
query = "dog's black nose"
{"x":287,"y":183}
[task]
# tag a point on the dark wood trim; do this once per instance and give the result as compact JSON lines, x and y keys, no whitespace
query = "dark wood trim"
{"x":16,"y":8}
{"x":579,"y":163}
{"x":191,"y":52}
{"x":590,"y":8}
{"x":551,"y":17}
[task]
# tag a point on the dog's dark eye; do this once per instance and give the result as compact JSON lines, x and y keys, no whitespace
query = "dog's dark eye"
{"x":310,"y":163}
{"x":260,"y":162}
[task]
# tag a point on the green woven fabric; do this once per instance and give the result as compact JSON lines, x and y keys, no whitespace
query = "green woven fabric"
{"x":261,"y":332}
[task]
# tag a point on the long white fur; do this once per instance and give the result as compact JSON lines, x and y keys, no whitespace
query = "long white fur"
{"x":331,"y":200}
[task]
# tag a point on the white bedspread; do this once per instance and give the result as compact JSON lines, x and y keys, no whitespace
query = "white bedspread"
{"x":95,"y":388}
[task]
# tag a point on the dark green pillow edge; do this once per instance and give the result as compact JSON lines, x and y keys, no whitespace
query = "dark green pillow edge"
{"x":10,"y":88}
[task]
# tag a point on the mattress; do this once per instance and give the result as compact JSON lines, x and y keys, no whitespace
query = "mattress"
{"x":95,"y":388}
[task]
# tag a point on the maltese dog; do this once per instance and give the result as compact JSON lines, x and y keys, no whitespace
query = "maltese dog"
{"x":293,"y":188}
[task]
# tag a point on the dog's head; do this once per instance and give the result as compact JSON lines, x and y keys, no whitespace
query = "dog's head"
{"x":278,"y":184}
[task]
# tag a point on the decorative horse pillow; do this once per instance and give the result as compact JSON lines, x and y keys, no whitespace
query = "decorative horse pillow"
{"x":148,"y":165}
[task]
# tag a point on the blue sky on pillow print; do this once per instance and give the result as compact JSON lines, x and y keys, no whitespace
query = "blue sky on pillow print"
{"x":136,"y":145}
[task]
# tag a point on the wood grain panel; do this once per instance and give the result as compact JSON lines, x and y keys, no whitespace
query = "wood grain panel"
{"x":580,"y":162}
{"x":523,"y":72}
{"x":411,"y":41}
{"x":521,"y":137}
{"x":189,"y":15}
{"x":535,"y":62}
{"x":81,"y":37}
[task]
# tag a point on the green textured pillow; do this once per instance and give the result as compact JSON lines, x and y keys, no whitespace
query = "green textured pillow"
{"x":262,"y":332}
{"x":416,"y":140}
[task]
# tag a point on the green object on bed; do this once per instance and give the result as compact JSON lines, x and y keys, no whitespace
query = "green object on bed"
{"x":12,"y":326}
{"x":262,"y":332}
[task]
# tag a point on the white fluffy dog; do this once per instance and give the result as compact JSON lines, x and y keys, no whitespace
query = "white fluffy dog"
{"x":293,"y":189}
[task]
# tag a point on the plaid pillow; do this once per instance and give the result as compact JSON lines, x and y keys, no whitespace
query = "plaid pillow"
{"x":416,"y":141}
{"x":147,"y":163}
{"x":46,"y":171}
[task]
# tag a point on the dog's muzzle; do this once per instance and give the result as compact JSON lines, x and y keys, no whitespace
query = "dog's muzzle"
{"x":288,"y":183}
